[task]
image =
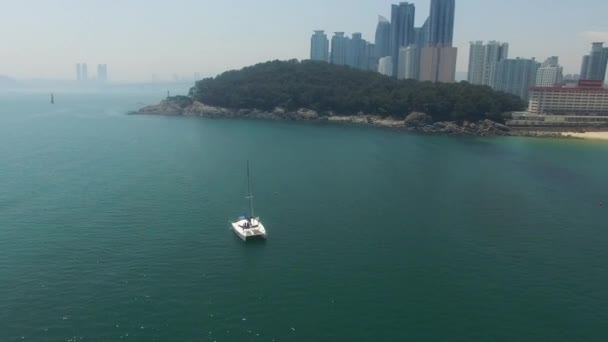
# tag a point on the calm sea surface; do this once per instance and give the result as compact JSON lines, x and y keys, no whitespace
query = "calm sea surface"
{"x":115,"y":227}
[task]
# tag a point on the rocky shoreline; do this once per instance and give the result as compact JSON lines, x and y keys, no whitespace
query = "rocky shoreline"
{"x":415,"y":122}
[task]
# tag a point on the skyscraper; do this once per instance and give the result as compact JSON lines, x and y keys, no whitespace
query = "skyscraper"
{"x":477,"y":53}
{"x":550,"y":73}
{"x":409,"y":63}
{"x":102,"y":73}
{"x":495,"y":52}
{"x":385,"y":66}
{"x":357,"y":52}
{"x":438,"y":64}
{"x":441,"y":23}
{"x":483,"y":59}
{"x":552,"y":61}
{"x":339,"y":45}
{"x":598,"y":60}
{"x":372,"y":59}
{"x":78,"y":72}
{"x":383,"y":37}
{"x":516,"y":76}
{"x":421,"y":35}
{"x":402,"y":30}
{"x":84,"y":73}
{"x":438,"y":57}
{"x":584,"y":67}
{"x":319,"y":46}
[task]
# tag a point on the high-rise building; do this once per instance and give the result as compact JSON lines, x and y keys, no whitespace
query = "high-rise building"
{"x":78,"y":72}
{"x":597,"y":62}
{"x":339,"y":46}
{"x":372,"y":59}
{"x":477,"y":53}
{"x":385,"y":66}
{"x":409,"y":63}
{"x":584,"y":67}
{"x":483,"y":59}
{"x":319,"y":46}
{"x":441,"y":23}
{"x":549,"y":76}
{"x":102,"y":73}
{"x":383,"y":37}
{"x":402,"y":30}
{"x":550,"y":73}
{"x":438,"y":57}
{"x":552,"y":61}
{"x":495,"y":52}
{"x":438,"y":64}
{"x":516,"y":76}
{"x":421,"y":35}
{"x":84,"y":73}
{"x":357,"y":52}
{"x":352,"y":50}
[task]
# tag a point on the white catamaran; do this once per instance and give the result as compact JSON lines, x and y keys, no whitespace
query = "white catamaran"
{"x":250,"y":227}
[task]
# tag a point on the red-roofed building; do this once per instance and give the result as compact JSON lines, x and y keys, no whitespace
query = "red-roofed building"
{"x":589,"y":98}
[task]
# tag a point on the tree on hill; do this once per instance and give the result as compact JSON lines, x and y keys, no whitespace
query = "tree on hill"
{"x":346,"y":91}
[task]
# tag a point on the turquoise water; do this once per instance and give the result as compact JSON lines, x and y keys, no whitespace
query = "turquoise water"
{"x":115,"y":227}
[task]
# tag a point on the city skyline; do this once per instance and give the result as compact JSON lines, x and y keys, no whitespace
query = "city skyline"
{"x":422,"y":53}
{"x":137,"y":47}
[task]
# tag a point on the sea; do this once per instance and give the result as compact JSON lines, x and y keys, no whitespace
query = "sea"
{"x":116,"y":227}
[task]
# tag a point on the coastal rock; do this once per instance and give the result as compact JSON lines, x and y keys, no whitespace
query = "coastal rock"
{"x":417,"y":119}
{"x":439,"y":125}
{"x":307,"y":114}
{"x":278,"y":111}
{"x":201,"y":109}
{"x":367,"y":120}
{"x":452,"y":128}
{"x":165,"y":107}
{"x":388,"y":122}
{"x":502,"y":127}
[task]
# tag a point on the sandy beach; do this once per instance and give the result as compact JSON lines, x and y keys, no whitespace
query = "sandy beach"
{"x":588,"y":135}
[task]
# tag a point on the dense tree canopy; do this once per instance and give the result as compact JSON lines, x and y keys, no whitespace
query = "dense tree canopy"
{"x":342,"y":90}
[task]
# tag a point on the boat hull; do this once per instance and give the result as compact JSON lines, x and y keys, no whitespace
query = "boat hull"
{"x":257,"y":230}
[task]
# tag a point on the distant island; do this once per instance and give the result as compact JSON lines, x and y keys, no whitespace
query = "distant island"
{"x":318,"y":91}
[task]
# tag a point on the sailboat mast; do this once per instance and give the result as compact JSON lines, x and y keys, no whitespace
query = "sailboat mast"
{"x":249,"y":191}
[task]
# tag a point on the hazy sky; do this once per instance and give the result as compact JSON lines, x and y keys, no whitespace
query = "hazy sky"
{"x":138,"y":38}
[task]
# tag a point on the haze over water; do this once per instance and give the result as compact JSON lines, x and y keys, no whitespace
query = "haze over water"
{"x":116,"y":227}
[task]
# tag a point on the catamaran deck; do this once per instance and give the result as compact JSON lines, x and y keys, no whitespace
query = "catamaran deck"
{"x":249,"y":230}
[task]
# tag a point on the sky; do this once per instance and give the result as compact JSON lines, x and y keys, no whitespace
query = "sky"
{"x":44,"y":39}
